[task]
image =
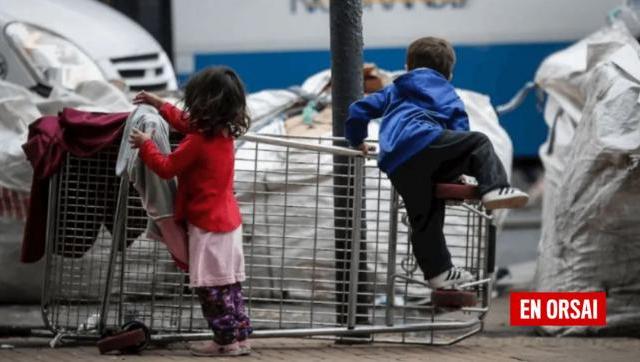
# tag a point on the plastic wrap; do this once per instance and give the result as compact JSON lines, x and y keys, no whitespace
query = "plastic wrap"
{"x":18,"y":108}
{"x":591,"y":204}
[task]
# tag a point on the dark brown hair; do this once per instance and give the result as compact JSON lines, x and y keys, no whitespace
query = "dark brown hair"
{"x":434,"y":53}
{"x":215,"y":100}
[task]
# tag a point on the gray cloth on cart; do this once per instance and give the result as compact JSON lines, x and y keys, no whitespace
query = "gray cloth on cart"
{"x":591,"y":203}
{"x":157,"y":194}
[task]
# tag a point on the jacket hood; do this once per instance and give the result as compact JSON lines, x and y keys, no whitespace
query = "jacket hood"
{"x":426,"y":86}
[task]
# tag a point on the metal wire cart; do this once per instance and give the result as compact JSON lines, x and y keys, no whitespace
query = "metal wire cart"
{"x":326,"y":248}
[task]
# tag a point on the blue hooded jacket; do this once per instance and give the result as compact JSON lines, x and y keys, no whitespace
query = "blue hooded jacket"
{"x":415,"y":109}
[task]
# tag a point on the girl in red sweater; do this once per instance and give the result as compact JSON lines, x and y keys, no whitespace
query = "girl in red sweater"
{"x":215,"y":114}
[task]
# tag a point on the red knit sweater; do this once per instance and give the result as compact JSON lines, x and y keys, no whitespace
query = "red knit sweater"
{"x":204,"y":167}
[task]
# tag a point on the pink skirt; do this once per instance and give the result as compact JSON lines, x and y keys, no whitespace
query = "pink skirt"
{"x":215,"y":258}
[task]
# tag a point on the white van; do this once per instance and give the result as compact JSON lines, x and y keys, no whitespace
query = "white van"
{"x":64,"y":42}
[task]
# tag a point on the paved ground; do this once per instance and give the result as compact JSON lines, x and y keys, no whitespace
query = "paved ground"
{"x":520,"y":348}
{"x":498,"y":343}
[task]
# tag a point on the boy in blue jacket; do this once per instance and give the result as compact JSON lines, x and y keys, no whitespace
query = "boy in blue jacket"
{"x":425,"y":138}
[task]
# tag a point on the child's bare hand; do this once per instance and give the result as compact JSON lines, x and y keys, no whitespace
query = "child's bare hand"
{"x":148,"y":98}
{"x":137,"y":138}
{"x":365,"y":148}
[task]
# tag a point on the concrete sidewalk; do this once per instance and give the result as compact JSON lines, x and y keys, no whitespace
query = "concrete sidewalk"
{"x":480,"y":348}
{"x":499,"y":342}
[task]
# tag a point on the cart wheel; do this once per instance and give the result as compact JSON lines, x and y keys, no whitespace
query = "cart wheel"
{"x":446,"y":298}
{"x":133,"y":338}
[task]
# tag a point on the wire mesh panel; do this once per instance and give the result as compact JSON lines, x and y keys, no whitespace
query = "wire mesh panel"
{"x":316,"y":263}
{"x":83,"y":197}
{"x":289,"y":242}
{"x":296,"y":262}
{"x":152,"y":289}
{"x":387,"y":272}
{"x":466,"y":232}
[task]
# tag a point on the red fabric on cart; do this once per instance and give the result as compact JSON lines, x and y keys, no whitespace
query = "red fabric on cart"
{"x":50,"y":138}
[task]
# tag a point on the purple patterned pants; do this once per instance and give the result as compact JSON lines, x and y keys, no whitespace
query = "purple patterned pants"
{"x":223,"y":308}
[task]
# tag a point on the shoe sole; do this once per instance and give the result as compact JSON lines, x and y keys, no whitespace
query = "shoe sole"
{"x":217,"y":354}
{"x":451,"y":284}
{"x":515,"y":202}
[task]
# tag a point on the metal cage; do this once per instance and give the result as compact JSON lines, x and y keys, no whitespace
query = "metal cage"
{"x":326,"y":250}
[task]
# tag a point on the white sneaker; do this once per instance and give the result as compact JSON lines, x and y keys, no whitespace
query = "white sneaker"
{"x":505,"y":198}
{"x":450,"y":278}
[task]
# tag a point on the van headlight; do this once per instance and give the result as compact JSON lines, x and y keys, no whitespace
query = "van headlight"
{"x":53,"y":59}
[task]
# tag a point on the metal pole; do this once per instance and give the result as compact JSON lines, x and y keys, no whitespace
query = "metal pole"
{"x":118,"y":243}
{"x":346,"y":87}
{"x":391,"y":261}
{"x":52,"y":220}
{"x":355,"y":244}
{"x":346,"y":59}
{"x":335,"y":331}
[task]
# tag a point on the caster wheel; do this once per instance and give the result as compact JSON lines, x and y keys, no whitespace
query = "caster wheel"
{"x":133,"y":338}
{"x":453,"y":298}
